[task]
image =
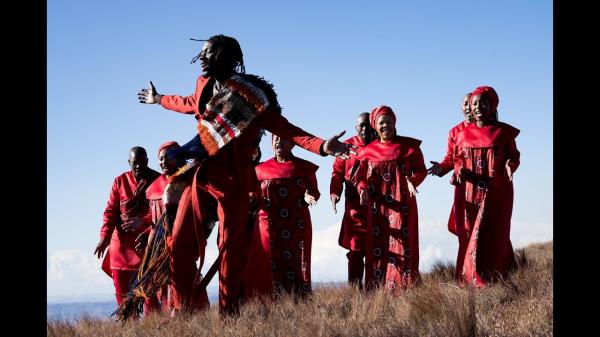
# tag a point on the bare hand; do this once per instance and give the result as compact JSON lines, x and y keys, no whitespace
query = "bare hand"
{"x":334,"y":200}
{"x":101,"y":247}
{"x":412,"y":190}
{"x":459,"y":174}
{"x":309,"y":199}
{"x":436,"y":169}
{"x":334,"y":147}
{"x":132,"y":224}
{"x":141,"y":241}
{"x":508,"y":170}
{"x":363,"y":197}
{"x":149,"y":96}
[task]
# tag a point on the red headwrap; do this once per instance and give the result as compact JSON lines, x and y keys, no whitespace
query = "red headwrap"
{"x":489,"y":93}
{"x":167,"y":145}
{"x":380,"y":111}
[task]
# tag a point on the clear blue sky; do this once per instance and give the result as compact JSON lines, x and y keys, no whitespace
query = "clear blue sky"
{"x":328,"y":61}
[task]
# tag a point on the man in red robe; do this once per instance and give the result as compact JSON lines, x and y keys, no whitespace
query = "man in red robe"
{"x":447,"y":164}
{"x":487,"y":158}
{"x":390,"y":170}
{"x":124,"y":221}
{"x":354,"y":222}
{"x":231,"y":107}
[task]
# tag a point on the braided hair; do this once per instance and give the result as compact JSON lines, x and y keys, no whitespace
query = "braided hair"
{"x":229,"y":45}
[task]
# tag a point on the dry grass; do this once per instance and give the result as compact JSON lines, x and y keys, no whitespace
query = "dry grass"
{"x":519,"y":306}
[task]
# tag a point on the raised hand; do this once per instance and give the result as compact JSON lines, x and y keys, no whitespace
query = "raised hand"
{"x":334,"y":147}
{"x":149,"y":96}
{"x":436,"y":169}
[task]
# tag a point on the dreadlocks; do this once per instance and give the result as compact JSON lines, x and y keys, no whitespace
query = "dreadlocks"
{"x":230,"y":46}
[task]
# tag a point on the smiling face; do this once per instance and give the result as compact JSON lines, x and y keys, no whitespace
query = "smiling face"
{"x":466,"y":108}
{"x":363,"y":128}
{"x":282,"y":147}
{"x":385,"y":127}
{"x":138,"y":162}
{"x":481,"y":109}
{"x":168,"y":166}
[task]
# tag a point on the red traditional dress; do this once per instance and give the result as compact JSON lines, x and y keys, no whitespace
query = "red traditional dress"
{"x":284,"y":227}
{"x":392,"y":248}
{"x":484,"y":213}
{"x":224,"y":181}
{"x":122,"y":261}
{"x":354,"y":222}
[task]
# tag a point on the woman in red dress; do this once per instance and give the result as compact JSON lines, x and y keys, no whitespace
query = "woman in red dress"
{"x":390,"y":170}
{"x":281,"y":247}
{"x":488,"y":157}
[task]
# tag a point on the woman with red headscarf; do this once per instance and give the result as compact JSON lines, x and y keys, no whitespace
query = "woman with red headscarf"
{"x":390,"y":169}
{"x":487,"y":158}
{"x":281,"y":246}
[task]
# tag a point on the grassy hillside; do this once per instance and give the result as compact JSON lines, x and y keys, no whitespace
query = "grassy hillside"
{"x":519,"y":306}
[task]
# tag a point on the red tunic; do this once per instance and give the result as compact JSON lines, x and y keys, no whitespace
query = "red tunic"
{"x":354,"y":222}
{"x":226,"y":179}
{"x":447,"y":165}
{"x":392,"y":248}
{"x":121,"y":252}
{"x":284,"y":227}
{"x":483,"y":219}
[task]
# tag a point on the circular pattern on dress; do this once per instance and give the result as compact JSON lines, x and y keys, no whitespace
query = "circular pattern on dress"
{"x":392,"y":241}
{"x":306,"y":287}
{"x":406,"y":252}
{"x":371,"y":189}
{"x":300,"y":223}
{"x":392,"y":260}
{"x":290,"y":275}
{"x":405,"y":210}
{"x":481,"y":163}
{"x":377,"y":251}
{"x":387,"y":177}
{"x":373,"y":210}
{"x":285,"y":234}
{"x":377,"y":273}
{"x":287,"y":255}
{"x":300,"y":182}
{"x":283,"y":192}
{"x":301,"y":244}
{"x":301,"y":202}
{"x":403,"y":168}
{"x":284,"y":213}
{"x":405,"y":231}
{"x":481,"y":184}
{"x":267,"y":202}
{"x":376,"y":230}
{"x":391,"y":285}
{"x":389,"y":198}
{"x":391,"y":219}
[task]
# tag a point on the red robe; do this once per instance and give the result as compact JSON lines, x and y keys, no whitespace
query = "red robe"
{"x":226,"y":179}
{"x":121,"y":251}
{"x":283,"y":237}
{"x":483,"y":218}
{"x":447,"y":165}
{"x":354,"y":222}
{"x":392,"y":248}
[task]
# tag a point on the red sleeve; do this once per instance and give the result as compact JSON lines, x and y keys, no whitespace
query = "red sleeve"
{"x":447,"y":163}
{"x":337,"y":177}
{"x":112,"y":211}
{"x":279,"y":125}
{"x":513,"y":154}
{"x":311,"y":186}
{"x":361,"y":176}
{"x":186,"y":105}
{"x":417,"y":165}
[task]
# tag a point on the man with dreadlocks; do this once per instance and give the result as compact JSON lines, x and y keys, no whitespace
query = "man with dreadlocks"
{"x":124,"y":221}
{"x":231,"y":107}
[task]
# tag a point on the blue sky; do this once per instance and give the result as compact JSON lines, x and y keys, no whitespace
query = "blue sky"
{"x":328,"y":61}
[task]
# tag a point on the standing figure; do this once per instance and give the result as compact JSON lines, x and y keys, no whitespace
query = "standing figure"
{"x":354,"y":222}
{"x":390,"y":170}
{"x":487,"y":158}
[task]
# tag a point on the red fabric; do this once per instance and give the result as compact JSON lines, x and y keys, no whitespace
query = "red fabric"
{"x":121,"y":252}
{"x":227,"y":180}
{"x":392,"y":248}
{"x":488,"y":92}
{"x":380,"y":111}
{"x":280,"y":257}
{"x":354,"y":222}
{"x":167,"y":145}
{"x":483,"y":220}
{"x":122,"y":280}
{"x":356,"y":267}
